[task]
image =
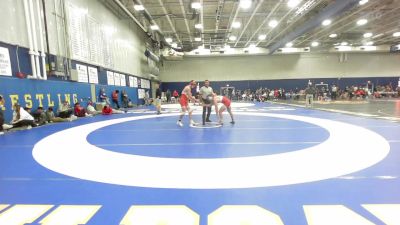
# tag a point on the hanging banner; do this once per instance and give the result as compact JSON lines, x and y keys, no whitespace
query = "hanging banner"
{"x":93,"y":75}
{"x":110,"y":78}
{"x":82,"y":73}
{"x":5,"y":62}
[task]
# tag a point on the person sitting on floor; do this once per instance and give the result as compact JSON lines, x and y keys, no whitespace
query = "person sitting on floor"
{"x":79,"y":111}
{"x":107,"y":110}
{"x":91,"y":110}
{"x":3,"y":126}
{"x":51,"y":118}
{"x":65,"y":110}
{"x":22,"y":118}
{"x":39,"y":116}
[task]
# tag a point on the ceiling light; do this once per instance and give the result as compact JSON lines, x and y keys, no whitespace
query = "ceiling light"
{"x":197,"y":39}
{"x":201,"y":47}
{"x":289,"y":45}
{"x":262,"y":37}
{"x":344,"y":43}
{"x":169,"y":40}
{"x":293,"y":3}
{"x":198,"y":26}
{"x":138,"y":7}
{"x":326,"y":22}
{"x":363,"y":2}
{"x":362,"y":22}
{"x":315,"y":44}
{"x":397,"y":34}
{"x":196,"y":5}
{"x":252,"y":46}
{"x":232,"y":38}
{"x":369,"y":43}
{"x":236,"y":24}
{"x":174,"y":45}
{"x":154,"y":27}
{"x":227,"y":47}
{"x":273,"y":23}
{"x":333,"y":35}
{"x":368,"y":35}
{"x":245,"y":4}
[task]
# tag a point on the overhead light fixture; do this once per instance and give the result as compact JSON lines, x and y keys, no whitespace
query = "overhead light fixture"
{"x":245,"y":4}
{"x":252,"y":46}
{"x":196,"y":5}
{"x":397,"y":34}
{"x":174,"y":45}
{"x":198,"y":26}
{"x":201,"y":47}
{"x":138,"y":7}
{"x":293,"y":3}
{"x":197,"y":39}
{"x":362,"y":22}
{"x":227,"y":47}
{"x":154,"y":27}
{"x":289,"y":45}
{"x":232,"y":38}
{"x":262,"y":37}
{"x":333,"y":35}
{"x":344,"y":43}
{"x":363,"y":2}
{"x":344,"y":48}
{"x":326,"y":22}
{"x":315,"y":44}
{"x":368,"y":35}
{"x":236,"y":24}
{"x":168,"y":40}
{"x":273,"y":23}
{"x":369,"y":43}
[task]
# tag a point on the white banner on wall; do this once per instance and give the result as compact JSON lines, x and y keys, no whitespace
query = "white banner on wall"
{"x":82,"y":73}
{"x":145,"y":83}
{"x":135,"y":82}
{"x":117,"y":79}
{"x":130,"y":82}
{"x":93,"y":75}
{"x":141,"y":93}
{"x":123,"y":80}
{"x":110,"y":78}
{"x":5,"y":62}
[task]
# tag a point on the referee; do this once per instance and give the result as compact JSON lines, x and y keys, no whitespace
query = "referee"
{"x":206,"y":98}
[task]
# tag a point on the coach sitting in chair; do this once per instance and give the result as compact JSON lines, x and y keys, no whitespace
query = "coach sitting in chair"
{"x":206,"y":93}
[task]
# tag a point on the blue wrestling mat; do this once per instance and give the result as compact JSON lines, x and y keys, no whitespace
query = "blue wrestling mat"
{"x":278,"y":165}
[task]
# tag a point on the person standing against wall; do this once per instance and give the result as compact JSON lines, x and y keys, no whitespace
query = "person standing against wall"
{"x":115,"y":95}
{"x":206,"y":94}
{"x":310,"y":92}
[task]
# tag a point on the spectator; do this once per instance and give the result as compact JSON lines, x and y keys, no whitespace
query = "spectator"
{"x":125,"y":99}
{"x":107,"y":110}
{"x":103,"y":96}
{"x":22,"y":118}
{"x":79,"y":111}
{"x":40,"y":116}
{"x":168,"y":95}
{"x":3,"y":126}
{"x":175,"y":94}
{"x":115,"y":94}
{"x":91,"y":110}
{"x":65,"y":110}
{"x":51,"y":118}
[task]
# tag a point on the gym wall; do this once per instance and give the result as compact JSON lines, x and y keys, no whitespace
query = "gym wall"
{"x":109,"y":42}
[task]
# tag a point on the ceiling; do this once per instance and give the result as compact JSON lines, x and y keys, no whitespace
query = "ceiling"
{"x":177,"y":19}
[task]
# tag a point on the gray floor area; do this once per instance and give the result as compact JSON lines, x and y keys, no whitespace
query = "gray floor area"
{"x":380,"y":108}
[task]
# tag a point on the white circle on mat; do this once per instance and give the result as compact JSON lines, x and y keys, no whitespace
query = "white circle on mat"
{"x":348,"y":149}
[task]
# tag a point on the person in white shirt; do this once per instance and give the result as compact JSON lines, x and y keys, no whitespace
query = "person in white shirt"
{"x":22,"y":118}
